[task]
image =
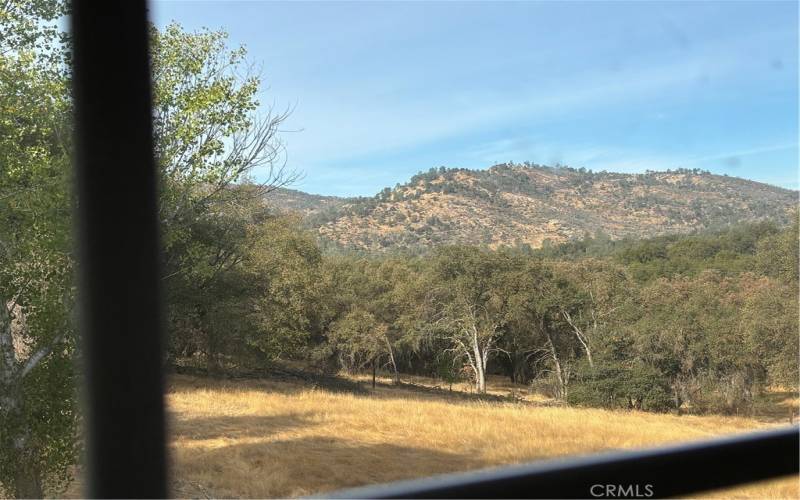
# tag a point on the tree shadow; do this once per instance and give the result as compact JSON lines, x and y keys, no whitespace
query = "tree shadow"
{"x":394,"y":391}
{"x":297,"y":382}
{"x":305,"y":466}
{"x":232,"y":427}
{"x":281,"y":380}
{"x":777,"y":406}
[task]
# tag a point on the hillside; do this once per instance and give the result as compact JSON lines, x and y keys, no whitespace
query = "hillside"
{"x":306,"y":204}
{"x":513,"y":204}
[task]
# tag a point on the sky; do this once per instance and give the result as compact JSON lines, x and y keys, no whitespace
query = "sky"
{"x":383,"y":90}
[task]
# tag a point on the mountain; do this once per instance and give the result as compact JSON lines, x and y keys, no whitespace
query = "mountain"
{"x":304,"y":203}
{"x":513,"y":204}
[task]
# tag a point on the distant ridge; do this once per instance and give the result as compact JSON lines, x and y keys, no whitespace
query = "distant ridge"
{"x":529,"y":204}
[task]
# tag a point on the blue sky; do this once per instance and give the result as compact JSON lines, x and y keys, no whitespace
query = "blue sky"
{"x":386,"y":89}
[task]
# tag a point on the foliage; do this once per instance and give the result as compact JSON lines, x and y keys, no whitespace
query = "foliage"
{"x":208,"y":137}
{"x":38,"y":420}
{"x":616,"y":385}
{"x":694,"y":337}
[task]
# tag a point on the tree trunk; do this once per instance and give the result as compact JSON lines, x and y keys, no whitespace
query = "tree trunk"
{"x":212,"y":344}
{"x":374,"y":372}
{"x":395,"y":372}
{"x":27,"y":482}
{"x":9,"y":395}
{"x":480,"y":363}
{"x":562,"y":386}
{"x":212,"y":364}
{"x":589,"y":355}
{"x":7,"y":357}
{"x":481,"y":383}
{"x":480,"y":375}
{"x":581,"y":336}
{"x":512,"y":360}
{"x":27,"y":479}
{"x":519,"y":368}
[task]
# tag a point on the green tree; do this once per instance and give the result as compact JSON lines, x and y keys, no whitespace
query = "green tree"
{"x":778,"y":255}
{"x":601,"y":290}
{"x":284,"y":263}
{"x":689,"y":329}
{"x":768,"y":320}
{"x":464,"y":307}
{"x":38,"y":422}
{"x":363,"y":340}
{"x":209,"y":136}
{"x":620,"y":378}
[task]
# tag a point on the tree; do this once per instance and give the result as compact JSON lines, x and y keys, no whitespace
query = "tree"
{"x":284,"y":263}
{"x":768,"y":322}
{"x":537,"y":300}
{"x":375,"y":293}
{"x":620,"y":377}
{"x":689,"y":330}
{"x":210,"y":300}
{"x":465,"y":308}
{"x":208,"y":136}
{"x":363,"y":340}
{"x":38,"y":421}
{"x":253,"y":300}
{"x":601,"y":289}
{"x":209,"y":132}
{"x":778,"y":255}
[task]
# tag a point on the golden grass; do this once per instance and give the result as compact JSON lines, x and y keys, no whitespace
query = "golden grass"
{"x":272,"y":439}
{"x":262,"y":439}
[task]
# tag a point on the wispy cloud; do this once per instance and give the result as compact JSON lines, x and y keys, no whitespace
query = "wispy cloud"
{"x":353,"y":127}
{"x":384,"y":89}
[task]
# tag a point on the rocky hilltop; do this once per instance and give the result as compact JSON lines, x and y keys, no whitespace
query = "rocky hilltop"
{"x":517,"y":204}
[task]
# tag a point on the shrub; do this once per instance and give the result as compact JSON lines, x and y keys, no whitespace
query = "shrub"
{"x":638,"y":387}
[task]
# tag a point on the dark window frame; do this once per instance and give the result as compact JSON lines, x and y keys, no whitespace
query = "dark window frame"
{"x":121,"y":311}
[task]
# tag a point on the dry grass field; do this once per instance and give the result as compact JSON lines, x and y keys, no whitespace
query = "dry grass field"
{"x":278,"y":439}
{"x":258,"y":438}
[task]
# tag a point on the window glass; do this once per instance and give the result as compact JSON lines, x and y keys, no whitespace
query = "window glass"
{"x":403,"y":239}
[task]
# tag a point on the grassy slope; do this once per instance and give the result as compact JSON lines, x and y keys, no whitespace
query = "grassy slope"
{"x":266,"y":439}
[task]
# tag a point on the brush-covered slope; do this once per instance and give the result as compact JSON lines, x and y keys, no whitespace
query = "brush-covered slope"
{"x":531,"y":204}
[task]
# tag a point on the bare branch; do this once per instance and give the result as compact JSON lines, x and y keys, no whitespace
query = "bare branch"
{"x":38,"y":356}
